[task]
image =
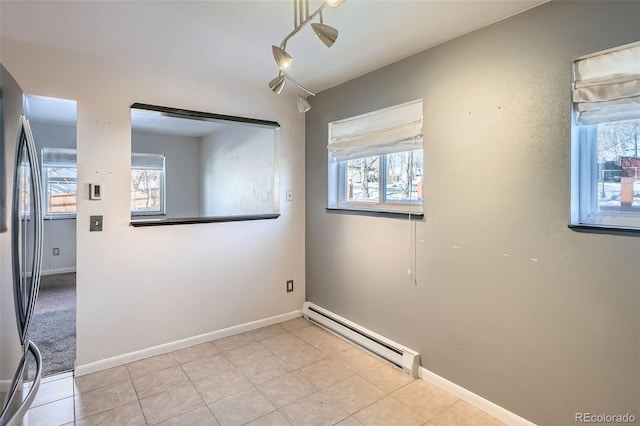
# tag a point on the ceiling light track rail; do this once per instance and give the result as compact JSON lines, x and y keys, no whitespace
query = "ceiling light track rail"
{"x":326,"y":34}
{"x":308,"y":18}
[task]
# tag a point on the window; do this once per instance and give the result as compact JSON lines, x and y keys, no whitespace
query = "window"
{"x":606,"y":139}
{"x":376,"y":160}
{"x":59,"y":173}
{"x":147,"y":184}
{"x":24,"y":198}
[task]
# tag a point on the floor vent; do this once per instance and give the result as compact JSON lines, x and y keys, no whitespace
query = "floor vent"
{"x":404,"y":358}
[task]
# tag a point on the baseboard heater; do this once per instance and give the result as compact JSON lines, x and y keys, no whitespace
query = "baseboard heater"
{"x":391,"y":351}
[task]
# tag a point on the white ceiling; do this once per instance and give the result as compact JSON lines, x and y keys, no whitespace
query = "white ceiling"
{"x":51,"y":110}
{"x":64,"y":111}
{"x":152,"y":122}
{"x":231,"y":40}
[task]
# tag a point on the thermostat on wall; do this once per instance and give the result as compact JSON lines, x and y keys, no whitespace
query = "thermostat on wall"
{"x":95,"y":191}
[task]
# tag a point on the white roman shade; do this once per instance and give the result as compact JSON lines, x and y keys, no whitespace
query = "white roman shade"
{"x":142,"y":161}
{"x":394,"y":129}
{"x":59,"y":157}
{"x":607,"y":85}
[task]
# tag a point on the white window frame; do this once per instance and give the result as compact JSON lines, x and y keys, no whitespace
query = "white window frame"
{"x":45,"y":184}
{"x":339,"y":169}
{"x":404,"y":132}
{"x":162,"y":208}
{"x":585,"y":206}
{"x":586,"y":210}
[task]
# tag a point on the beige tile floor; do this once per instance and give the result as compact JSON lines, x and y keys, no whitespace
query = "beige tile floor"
{"x":292,"y":373}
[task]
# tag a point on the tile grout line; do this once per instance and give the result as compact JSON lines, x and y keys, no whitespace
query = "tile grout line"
{"x":73,"y":391}
{"x":194,"y":386}
{"x":144,"y":416}
{"x":382,"y":397}
{"x":297,"y":370}
{"x":253,"y":385}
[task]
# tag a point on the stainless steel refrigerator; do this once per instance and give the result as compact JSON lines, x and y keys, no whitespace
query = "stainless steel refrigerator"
{"x":20,"y":253}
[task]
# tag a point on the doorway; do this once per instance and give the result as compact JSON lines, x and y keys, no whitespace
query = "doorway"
{"x":53,"y":329}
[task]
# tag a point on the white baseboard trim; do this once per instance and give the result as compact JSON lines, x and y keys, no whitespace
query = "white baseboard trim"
{"x":58,"y":271}
{"x":103,"y":364}
{"x":477,"y":401}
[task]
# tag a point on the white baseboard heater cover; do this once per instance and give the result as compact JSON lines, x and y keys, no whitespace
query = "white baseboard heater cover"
{"x":405,"y":358}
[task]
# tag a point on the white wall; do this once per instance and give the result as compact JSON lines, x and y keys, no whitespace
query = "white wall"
{"x":59,"y":233}
{"x":140,"y":287}
{"x":182,"y":164}
{"x":237,"y":167}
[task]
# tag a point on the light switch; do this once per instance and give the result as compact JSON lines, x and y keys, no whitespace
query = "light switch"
{"x":96,"y":224}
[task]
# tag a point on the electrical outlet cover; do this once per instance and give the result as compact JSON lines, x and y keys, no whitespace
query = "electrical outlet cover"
{"x":96,"y":224}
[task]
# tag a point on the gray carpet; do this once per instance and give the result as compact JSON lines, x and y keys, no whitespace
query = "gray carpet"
{"x":53,"y":328}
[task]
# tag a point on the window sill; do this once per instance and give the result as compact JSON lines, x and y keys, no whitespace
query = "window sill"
{"x":603,"y":229}
{"x":375,"y":213}
{"x":60,"y":217}
{"x":147,"y":214}
{"x":192,"y":220}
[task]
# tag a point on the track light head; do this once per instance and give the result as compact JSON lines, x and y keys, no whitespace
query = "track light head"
{"x":326,"y":34}
{"x":334,"y":3}
{"x":283,"y":59}
{"x":303,"y":104}
{"x":277,"y":84}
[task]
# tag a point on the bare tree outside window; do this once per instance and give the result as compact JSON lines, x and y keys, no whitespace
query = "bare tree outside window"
{"x":618,"y":150}
{"x":385,"y":178}
{"x":145,"y":190}
{"x":404,"y":175}
{"x":363,"y":178}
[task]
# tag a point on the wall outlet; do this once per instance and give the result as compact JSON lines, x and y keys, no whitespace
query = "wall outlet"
{"x":289,"y":286}
{"x":56,"y":251}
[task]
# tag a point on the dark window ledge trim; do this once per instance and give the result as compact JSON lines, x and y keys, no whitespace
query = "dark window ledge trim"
{"x":192,"y":220}
{"x":399,"y":215}
{"x":205,"y":116}
{"x":599,"y":229}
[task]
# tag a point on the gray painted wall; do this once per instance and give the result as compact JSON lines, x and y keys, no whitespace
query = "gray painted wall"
{"x":182,"y":164}
{"x":509,"y":302}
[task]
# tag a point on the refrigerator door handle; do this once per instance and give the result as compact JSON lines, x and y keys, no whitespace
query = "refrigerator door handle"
{"x":25,"y":296}
{"x":16,"y":418}
{"x":25,"y":292}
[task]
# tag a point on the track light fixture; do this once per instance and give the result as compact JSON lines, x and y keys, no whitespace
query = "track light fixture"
{"x":277,"y":84}
{"x":283,"y":59}
{"x":303,"y":104}
{"x":325,"y":33}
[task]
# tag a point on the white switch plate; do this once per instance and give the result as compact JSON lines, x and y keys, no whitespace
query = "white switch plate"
{"x":289,"y":195}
